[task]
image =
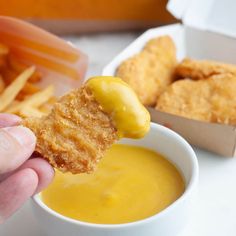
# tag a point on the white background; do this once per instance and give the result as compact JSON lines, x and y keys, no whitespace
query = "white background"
{"x":214,"y":211}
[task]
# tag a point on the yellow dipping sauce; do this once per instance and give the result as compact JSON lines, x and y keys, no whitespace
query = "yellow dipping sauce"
{"x":130,"y":184}
{"x":117,"y":98}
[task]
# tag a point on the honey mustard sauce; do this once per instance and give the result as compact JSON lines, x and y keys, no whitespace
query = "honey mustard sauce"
{"x":130,"y":117}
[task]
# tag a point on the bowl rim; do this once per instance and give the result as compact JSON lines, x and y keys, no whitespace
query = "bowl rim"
{"x":188,"y":190}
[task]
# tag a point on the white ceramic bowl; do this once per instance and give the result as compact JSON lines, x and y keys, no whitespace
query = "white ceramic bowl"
{"x":169,"y":222}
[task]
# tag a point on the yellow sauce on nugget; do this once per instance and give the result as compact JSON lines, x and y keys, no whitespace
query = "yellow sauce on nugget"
{"x":131,"y":183}
{"x":117,"y":98}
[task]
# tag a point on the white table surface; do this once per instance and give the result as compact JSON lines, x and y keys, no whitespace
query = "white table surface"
{"x":214,"y":211}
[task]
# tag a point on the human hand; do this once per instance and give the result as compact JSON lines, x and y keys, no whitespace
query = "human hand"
{"x":20,"y":177}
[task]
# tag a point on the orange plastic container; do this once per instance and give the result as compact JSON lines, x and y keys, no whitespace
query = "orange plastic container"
{"x":59,"y":62}
{"x":67,"y":16}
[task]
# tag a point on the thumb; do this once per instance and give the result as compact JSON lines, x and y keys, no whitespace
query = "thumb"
{"x":16,"y":146}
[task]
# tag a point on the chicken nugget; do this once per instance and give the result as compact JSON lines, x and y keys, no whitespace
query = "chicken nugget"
{"x":211,"y":100}
{"x":150,"y":71}
{"x":164,"y":48}
{"x":202,"y":69}
{"x":84,"y":123}
{"x":223,"y":100}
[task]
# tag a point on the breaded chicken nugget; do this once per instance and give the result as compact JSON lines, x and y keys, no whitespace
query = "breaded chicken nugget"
{"x":223,"y":99}
{"x":79,"y":129}
{"x":164,"y":48}
{"x":212,"y":100}
{"x":150,"y":71}
{"x":202,"y":69}
{"x":75,"y":134}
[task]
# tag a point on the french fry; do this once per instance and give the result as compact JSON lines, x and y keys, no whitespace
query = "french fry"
{"x":36,"y":77}
{"x":35,"y":100}
{"x":41,"y":97}
{"x":31,"y":111}
{"x":28,"y":89}
{"x":19,"y":93}
{"x":46,"y":107}
{"x":13,"y":104}
{"x":2,"y":84}
{"x":51,"y":101}
{"x":18,"y":66}
{"x":14,"y":88}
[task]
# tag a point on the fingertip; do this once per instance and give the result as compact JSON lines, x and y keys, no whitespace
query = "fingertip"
{"x":24,"y":136}
{"x":15,"y":190}
{"x":9,"y":120}
{"x":29,"y":180}
{"x":44,"y":171}
{"x":17,"y":143}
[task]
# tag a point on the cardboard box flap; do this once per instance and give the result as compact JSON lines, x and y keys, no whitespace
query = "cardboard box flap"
{"x":178,"y":7}
{"x":213,"y":15}
{"x":202,"y":134}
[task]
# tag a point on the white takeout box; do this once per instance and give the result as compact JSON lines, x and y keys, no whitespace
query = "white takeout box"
{"x":208,"y":32}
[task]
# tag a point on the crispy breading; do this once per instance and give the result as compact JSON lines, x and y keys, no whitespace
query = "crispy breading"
{"x":75,"y":135}
{"x":212,"y":100}
{"x":202,"y":69}
{"x":223,"y":100}
{"x":164,"y":48}
{"x":150,"y":71}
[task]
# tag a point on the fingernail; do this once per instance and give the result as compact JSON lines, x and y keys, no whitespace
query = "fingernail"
{"x":24,"y":136}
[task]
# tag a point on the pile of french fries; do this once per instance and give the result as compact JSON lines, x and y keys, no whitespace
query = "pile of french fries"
{"x":19,"y":93}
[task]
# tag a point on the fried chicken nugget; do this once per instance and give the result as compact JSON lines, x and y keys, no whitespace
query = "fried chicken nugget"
{"x":150,"y":71}
{"x":202,"y":69}
{"x":80,"y":128}
{"x":212,"y":100}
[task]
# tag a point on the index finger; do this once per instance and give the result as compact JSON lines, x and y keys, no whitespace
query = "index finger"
{"x":17,"y":143}
{"x":7,"y":120}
